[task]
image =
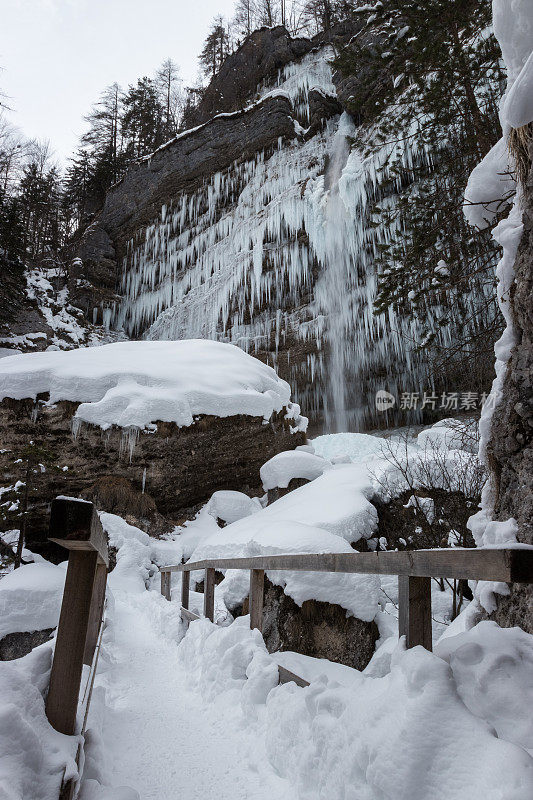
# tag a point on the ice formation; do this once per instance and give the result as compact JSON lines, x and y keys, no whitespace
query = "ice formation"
{"x":255,"y":237}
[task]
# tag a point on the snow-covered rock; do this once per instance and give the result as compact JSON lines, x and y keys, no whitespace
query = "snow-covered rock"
{"x":450,"y":434}
{"x":230,"y":506}
{"x":137,"y":383}
{"x":30,"y":598}
{"x":280,"y":470}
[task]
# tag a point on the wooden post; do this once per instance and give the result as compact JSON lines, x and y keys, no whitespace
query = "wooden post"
{"x":209,"y":594}
{"x":414,"y":596}
{"x":257,"y":585}
{"x":185,"y":582}
{"x":165,"y":584}
{"x":65,"y":678}
{"x":96,"y":612}
{"x":74,"y":524}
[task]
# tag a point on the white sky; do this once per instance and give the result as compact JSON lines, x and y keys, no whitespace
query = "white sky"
{"x":58,"y":55}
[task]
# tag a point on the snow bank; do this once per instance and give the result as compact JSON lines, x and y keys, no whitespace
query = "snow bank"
{"x":450,"y":434}
{"x":138,"y":383}
{"x":30,"y":598}
{"x":282,"y":468}
{"x":489,"y":186}
{"x":335,"y":502}
{"x":407,"y":735}
{"x":33,"y":756}
{"x":493,"y":670}
{"x":358,"y":446}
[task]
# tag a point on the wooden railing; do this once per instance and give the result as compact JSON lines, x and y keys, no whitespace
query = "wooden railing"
{"x":414,"y":568}
{"x":75,"y":525}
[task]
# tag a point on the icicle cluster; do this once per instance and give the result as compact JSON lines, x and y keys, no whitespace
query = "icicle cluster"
{"x":280,"y":248}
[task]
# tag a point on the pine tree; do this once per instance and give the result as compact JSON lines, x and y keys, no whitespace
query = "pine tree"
{"x":142,"y":123}
{"x":102,"y":140}
{"x":216,"y":48}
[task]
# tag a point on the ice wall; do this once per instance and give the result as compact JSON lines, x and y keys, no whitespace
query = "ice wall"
{"x":280,"y":250}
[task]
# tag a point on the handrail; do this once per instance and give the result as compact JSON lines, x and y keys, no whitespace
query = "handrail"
{"x":414,"y":568}
{"x":508,"y":565}
{"x":75,"y":525}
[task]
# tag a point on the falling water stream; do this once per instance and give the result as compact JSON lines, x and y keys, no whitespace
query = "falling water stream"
{"x":333,"y":291}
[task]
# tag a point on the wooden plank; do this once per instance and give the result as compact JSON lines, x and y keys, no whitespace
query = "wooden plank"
{"x":209,"y":594}
{"x":189,"y":615}
{"x":166,"y":584}
{"x":257,"y":587}
{"x":75,"y":524}
{"x":96,"y":613}
{"x":414,"y":621}
{"x":286,"y":676}
{"x":62,"y":701}
{"x":507,"y":565}
{"x":185,"y":581}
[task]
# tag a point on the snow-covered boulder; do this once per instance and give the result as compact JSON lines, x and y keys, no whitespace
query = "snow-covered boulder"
{"x":30,"y":598}
{"x":158,"y":426}
{"x":450,"y":434}
{"x":280,"y":470}
{"x":139,"y":383}
{"x":230,"y":506}
{"x":323,"y":516}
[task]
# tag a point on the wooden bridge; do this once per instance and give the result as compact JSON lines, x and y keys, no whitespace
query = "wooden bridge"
{"x":75,"y":525}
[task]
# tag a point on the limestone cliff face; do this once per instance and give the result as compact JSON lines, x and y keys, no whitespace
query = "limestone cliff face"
{"x":258,"y":59}
{"x":511,"y":447}
{"x":257,"y":226}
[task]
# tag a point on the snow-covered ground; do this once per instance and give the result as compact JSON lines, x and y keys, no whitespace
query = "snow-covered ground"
{"x":180,"y":713}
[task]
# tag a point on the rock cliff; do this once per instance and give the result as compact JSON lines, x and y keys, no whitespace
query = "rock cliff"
{"x":511,"y":446}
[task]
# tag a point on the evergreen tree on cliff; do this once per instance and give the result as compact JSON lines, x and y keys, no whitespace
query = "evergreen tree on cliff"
{"x":143,"y":121}
{"x":216,"y":48}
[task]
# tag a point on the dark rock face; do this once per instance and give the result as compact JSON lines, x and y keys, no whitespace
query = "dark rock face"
{"x":117,"y":495}
{"x":180,"y":166}
{"x":257,"y":59}
{"x":317,"y":629}
{"x":511,"y":447}
{"x":16,"y":645}
{"x":179,"y":467}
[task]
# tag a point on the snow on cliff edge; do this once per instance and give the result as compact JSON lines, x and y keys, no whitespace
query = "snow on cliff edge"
{"x":137,"y":383}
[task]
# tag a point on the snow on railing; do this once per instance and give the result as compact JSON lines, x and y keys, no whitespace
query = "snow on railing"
{"x":414,"y":568}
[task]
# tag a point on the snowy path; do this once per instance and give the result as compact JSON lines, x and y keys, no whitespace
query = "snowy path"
{"x":161,"y":737}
